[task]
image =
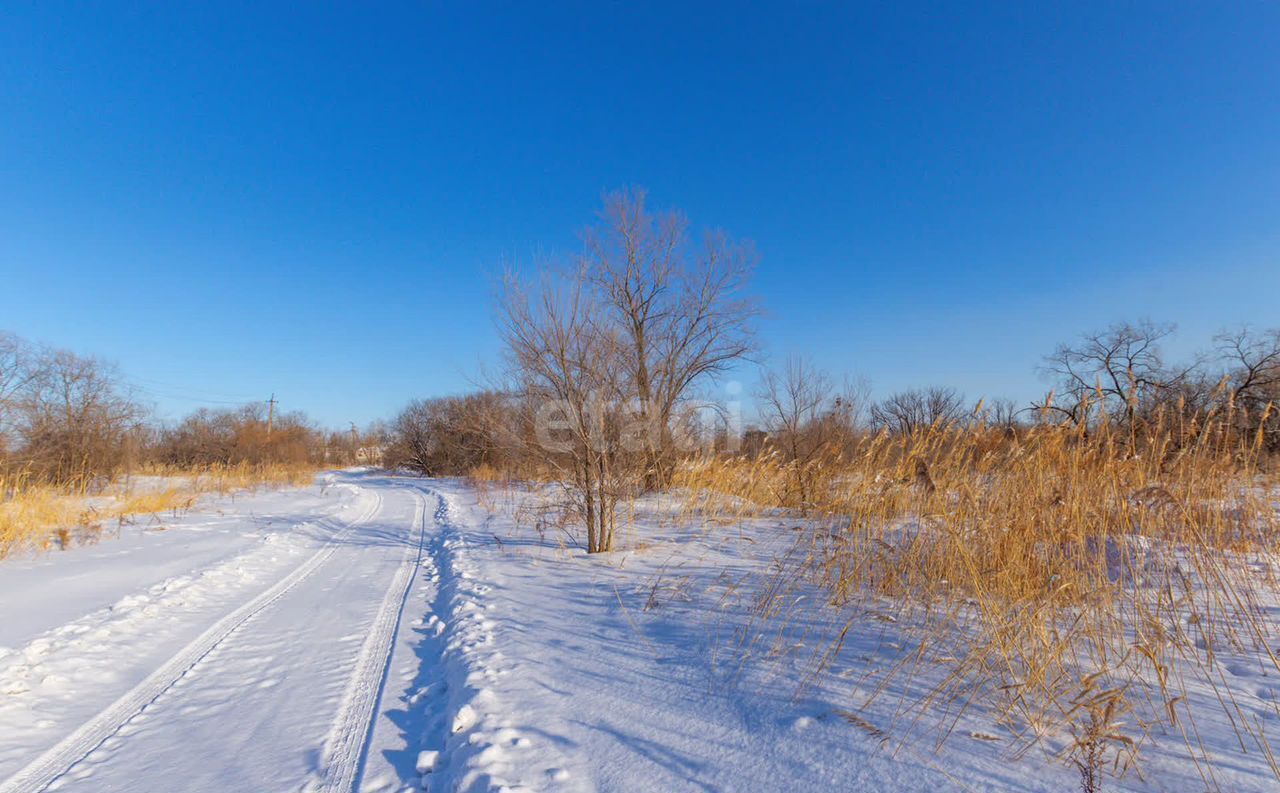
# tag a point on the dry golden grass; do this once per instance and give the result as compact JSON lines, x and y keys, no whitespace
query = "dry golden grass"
{"x":225,"y":479}
{"x":38,"y":516}
{"x":153,"y":502}
{"x":490,"y":485}
{"x":1064,"y":579}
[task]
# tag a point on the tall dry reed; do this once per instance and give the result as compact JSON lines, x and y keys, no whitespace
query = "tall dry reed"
{"x":39,"y":516}
{"x":1078,"y":584}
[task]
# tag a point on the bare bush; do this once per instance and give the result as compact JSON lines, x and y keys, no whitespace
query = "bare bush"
{"x":454,"y":436}
{"x":242,"y":435}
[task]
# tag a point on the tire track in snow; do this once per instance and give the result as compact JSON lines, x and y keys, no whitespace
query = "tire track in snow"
{"x":344,"y":750}
{"x":59,"y":759}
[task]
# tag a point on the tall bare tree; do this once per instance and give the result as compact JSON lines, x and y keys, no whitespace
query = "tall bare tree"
{"x":679,"y":309}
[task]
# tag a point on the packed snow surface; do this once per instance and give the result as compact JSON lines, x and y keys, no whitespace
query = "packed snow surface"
{"x":384,"y":633}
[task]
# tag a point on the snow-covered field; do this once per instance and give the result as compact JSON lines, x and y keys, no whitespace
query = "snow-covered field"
{"x":377,"y":632}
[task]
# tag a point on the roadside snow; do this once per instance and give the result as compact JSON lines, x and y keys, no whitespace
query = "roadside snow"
{"x":652,"y":669}
{"x":628,"y":666}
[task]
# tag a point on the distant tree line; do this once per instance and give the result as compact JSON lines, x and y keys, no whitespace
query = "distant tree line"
{"x":67,"y":419}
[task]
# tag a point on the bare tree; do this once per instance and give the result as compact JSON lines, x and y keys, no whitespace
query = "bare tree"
{"x":1119,"y":370}
{"x":853,"y":402}
{"x":679,"y":311}
{"x":843,"y":421}
{"x":915,"y":410}
{"x":565,"y":356}
{"x":1252,"y":360}
{"x":1003,"y":413}
{"x":19,"y":367}
{"x":796,"y":405}
{"x":794,"y":401}
{"x":611,"y":352}
{"x":416,"y":437}
{"x":75,"y":419}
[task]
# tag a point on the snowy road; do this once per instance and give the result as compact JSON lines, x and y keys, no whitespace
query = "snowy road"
{"x":261,"y":671}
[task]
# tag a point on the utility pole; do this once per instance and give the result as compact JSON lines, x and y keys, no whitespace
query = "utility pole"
{"x":271,"y":413}
{"x":354,"y":441}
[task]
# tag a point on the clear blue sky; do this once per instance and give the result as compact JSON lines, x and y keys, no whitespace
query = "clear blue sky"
{"x":311,"y":199}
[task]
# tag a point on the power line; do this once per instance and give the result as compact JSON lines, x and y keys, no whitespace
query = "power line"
{"x":189,"y":398}
{"x":189,"y":390}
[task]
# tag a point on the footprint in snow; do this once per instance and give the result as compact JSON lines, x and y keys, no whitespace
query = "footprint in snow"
{"x":465,"y":719}
{"x":1239,"y":670}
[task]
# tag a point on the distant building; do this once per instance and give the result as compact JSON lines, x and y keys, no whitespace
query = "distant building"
{"x":753,"y":441}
